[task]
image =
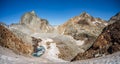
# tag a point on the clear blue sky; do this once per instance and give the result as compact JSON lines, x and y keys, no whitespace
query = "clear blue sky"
{"x":57,"y":11}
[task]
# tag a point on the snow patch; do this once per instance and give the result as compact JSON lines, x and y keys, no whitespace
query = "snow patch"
{"x":63,"y":32}
{"x":48,"y":40}
{"x":105,"y":24}
{"x":96,"y":22}
{"x":80,"y":42}
{"x":8,"y":58}
{"x":53,"y":51}
{"x":93,"y":22}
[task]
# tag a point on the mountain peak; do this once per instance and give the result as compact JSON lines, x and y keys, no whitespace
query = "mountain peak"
{"x":85,"y":14}
{"x":33,"y":12}
{"x":114,"y":18}
{"x":118,"y":14}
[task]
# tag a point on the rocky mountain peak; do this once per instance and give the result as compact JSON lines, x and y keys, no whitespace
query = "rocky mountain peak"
{"x":118,"y":14}
{"x":85,"y":14}
{"x":33,"y":23}
{"x":114,"y":18}
{"x":33,"y":12}
{"x":28,"y":17}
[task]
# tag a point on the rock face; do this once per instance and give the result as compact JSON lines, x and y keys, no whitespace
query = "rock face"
{"x":84,"y":28}
{"x":108,"y":42}
{"x":9,"y":40}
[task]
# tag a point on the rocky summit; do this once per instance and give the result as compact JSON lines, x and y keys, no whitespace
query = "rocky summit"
{"x":80,"y":38}
{"x":114,"y":18}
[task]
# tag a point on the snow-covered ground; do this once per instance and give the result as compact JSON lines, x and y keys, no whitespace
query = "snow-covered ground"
{"x":8,"y":57}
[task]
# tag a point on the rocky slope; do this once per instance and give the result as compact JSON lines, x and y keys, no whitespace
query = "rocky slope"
{"x":9,"y":40}
{"x":107,"y":43}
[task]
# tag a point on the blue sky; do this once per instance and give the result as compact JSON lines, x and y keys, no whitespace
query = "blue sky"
{"x":57,"y":11}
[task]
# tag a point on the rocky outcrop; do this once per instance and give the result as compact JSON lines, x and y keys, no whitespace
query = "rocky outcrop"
{"x":84,"y":28}
{"x":9,"y":40}
{"x":108,"y":42}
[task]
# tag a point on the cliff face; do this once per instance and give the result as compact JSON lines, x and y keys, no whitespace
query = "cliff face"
{"x":9,"y":40}
{"x":84,"y":28}
{"x":107,"y":42}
